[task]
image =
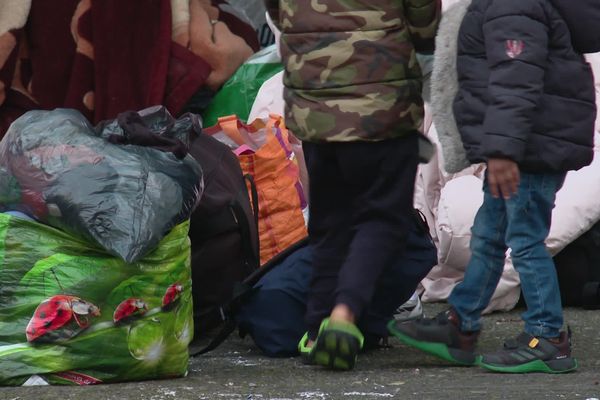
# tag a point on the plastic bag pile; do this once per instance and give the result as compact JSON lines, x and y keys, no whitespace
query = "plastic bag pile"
{"x":122,"y":185}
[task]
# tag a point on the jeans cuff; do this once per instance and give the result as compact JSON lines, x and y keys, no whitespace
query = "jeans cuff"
{"x":542,"y":331}
{"x":466,"y":325}
{"x":470,"y":326}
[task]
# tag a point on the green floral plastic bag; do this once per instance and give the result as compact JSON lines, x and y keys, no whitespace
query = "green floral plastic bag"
{"x":70,"y":313}
{"x":237,"y":95}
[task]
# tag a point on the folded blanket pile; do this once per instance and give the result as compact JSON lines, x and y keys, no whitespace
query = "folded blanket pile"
{"x":104,"y":57}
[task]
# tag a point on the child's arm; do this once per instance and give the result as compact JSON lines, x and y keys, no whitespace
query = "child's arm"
{"x":423,"y":18}
{"x":516,"y":41}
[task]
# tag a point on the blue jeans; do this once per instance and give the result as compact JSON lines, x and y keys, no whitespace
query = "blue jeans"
{"x":522,"y":224}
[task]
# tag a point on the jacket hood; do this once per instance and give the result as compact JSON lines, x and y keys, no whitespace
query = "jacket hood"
{"x":583,"y":19}
{"x":444,"y":86}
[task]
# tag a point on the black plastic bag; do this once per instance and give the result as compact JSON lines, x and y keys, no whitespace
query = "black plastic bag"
{"x":93,"y":183}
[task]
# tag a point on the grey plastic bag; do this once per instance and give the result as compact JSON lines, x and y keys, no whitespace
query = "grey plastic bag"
{"x":123,"y":185}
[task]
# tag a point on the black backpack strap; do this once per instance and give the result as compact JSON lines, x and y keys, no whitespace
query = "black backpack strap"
{"x":227,"y":329}
{"x":227,"y":315}
{"x":253,"y":278}
{"x":249,"y":236}
{"x":241,"y":293}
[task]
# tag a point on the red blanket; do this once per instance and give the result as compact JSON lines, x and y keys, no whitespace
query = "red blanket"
{"x":103,"y":57}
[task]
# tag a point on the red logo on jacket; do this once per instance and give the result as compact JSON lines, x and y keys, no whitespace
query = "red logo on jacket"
{"x":514,"y":48}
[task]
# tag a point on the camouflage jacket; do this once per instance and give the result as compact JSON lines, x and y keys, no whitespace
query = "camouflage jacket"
{"x":351,"y":71}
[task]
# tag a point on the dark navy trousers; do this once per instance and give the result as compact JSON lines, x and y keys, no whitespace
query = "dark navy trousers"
{"x":361,"y":204}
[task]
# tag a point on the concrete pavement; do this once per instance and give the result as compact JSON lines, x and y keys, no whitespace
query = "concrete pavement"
{"x":237,"y":370}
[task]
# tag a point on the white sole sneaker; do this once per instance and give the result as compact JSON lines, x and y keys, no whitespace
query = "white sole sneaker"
{"x":410,"y":310}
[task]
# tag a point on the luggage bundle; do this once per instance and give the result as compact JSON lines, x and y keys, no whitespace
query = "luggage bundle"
{"x":94,"y":247}
{"x":72,"y":313}
{"x":122,"y":185}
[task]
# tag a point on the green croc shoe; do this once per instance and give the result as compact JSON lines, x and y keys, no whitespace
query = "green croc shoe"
{"x":305,"y":350}
{"x":337,"y":345}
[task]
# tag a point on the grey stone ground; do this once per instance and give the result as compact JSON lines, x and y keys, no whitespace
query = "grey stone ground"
{"x":238,"y":371}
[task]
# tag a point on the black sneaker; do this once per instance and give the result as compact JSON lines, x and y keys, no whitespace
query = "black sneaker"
{"x":527,"y":353}
{"x":439,"y":336}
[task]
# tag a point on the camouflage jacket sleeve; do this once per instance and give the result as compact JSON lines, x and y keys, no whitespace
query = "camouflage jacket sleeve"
{"x":351,"y":72}
{"x":423,"y":18}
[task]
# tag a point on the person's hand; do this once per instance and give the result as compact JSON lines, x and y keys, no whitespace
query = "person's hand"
{"x":503,"y":177}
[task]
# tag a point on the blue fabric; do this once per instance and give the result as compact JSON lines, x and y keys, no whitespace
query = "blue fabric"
{"x":19,"y":214}
{"x":520,"y":223}
{"x":524,"y":92}
{"x":274,"y":315}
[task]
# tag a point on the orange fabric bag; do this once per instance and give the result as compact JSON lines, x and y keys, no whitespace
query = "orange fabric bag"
{"x":264,"y":151}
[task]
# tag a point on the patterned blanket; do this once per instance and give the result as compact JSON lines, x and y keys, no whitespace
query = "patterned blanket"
{"x":103,"y":57}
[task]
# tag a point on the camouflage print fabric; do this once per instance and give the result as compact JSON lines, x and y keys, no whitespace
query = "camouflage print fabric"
{"x":351,"y":71}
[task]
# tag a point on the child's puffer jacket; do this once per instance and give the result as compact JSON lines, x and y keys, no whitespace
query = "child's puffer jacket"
{"x":525,"y":93}
{"x":583,"y":18}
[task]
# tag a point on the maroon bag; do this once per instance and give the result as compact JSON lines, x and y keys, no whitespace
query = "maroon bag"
{"x":223,"y":232}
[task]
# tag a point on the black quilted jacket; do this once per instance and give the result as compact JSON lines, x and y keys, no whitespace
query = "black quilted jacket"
{"x":525,"y":91}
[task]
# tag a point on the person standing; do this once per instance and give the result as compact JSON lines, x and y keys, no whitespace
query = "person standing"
{"x":526,"y":108}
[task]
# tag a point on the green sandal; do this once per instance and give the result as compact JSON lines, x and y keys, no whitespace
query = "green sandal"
{"x":304,"y":350}
{"x":337,"y":345}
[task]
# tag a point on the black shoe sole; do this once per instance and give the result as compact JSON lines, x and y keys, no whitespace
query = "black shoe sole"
{"x":335,"y":350}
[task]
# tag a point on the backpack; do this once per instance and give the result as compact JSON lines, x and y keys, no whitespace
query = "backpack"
{"x":228,"y":311}
{"x":223,"y":232}
{"x":578,"y":270}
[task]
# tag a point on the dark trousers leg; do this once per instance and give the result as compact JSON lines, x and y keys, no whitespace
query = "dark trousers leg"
{"x":361,"y":204}
{"x":383,"y":189}
{"x":328,"y":228}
